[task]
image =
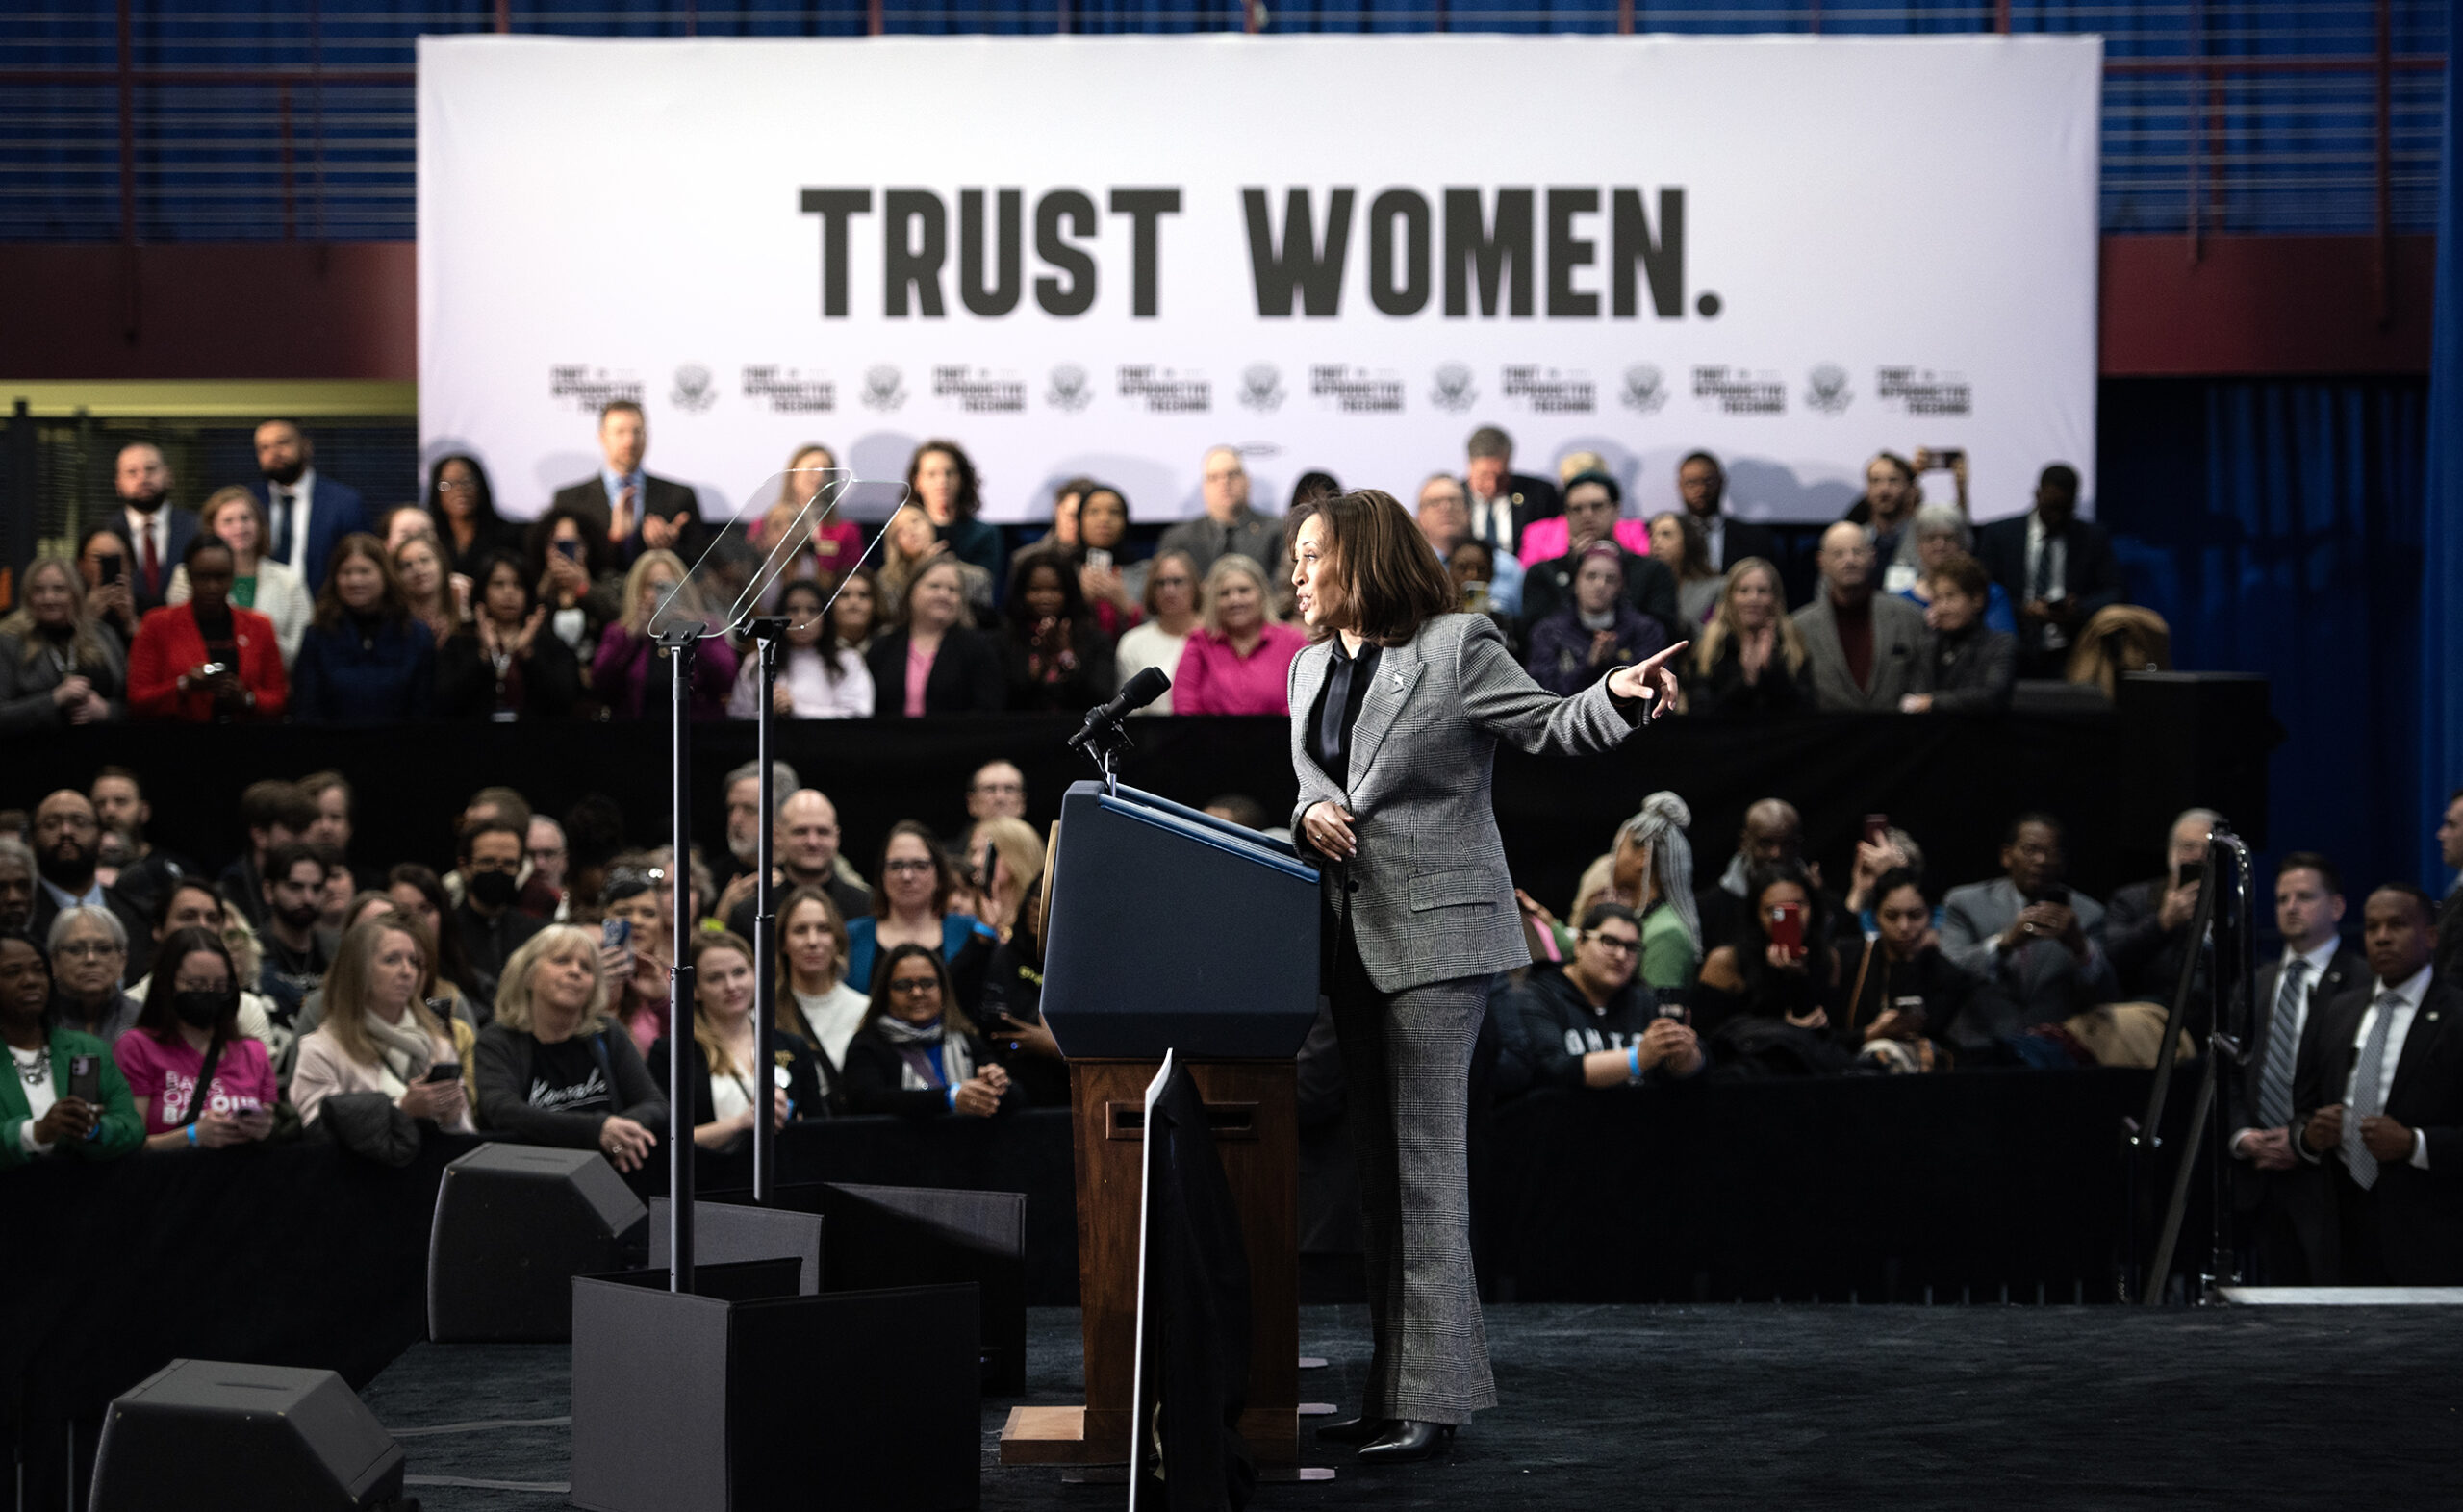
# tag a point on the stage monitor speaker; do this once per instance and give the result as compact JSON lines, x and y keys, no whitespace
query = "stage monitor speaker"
{"x":205,"y":1436}
{"x":723,"y":1233}
{"x":917,"y":1236}
{"x":515,"y":1223}
{"x":2199,"y":740}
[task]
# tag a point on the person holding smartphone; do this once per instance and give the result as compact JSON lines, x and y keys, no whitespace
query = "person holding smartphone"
{"x":66,"y":1097}
{"x":1592,"y":1022}
{"x":1780,"y":966}
{"x":377,"y":1036}
{"x":198,"y":1082}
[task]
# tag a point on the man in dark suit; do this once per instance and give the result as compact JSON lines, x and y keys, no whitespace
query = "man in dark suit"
{"x":1590,"y":505}
{"x":68,"y":844}
{"x":307,"y":514}
{"x":635,"y":510}
{"x":2283,"y":1202}
{"x":2382,"y":1106}
{"x":1703,"y":485}
{"x":158,"y":531}
{"x":1502,"y":500}
{"x":2146,"y":926}
{"x":2057,"y":569}
{"x":2450,"y":914}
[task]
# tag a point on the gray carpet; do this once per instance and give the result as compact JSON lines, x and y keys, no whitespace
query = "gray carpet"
{"x":1742,"y":1406}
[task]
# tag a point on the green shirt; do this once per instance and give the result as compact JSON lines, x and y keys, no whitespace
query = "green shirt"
{"x":118,"y":1131}
{"x":1669,"y":957}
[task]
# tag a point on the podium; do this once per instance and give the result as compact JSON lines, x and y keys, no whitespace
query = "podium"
{"x":1169,"y":929}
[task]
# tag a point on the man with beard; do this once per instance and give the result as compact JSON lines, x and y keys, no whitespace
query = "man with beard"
{"x":744,"y":825}
{"x":807,"y":851}
{"x":150,"y":872}
{"x":307,"y":515}
{"x":69,"y":843}
{"x":297,"y":949}
{"x":1703,"y":486}
{"x":158,"y":531}
{"x":490,"y":854}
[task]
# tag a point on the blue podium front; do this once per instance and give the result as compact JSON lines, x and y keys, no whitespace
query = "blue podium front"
{"x":1169,"y":929}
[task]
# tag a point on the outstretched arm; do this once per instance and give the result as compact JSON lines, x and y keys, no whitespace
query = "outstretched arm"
{"x":1501,"y":699}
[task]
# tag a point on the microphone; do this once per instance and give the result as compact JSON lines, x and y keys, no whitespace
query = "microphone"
{"x":1142,"y":690}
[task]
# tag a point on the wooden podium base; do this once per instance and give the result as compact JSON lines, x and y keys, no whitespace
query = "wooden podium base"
{"x":1253,"y":1109}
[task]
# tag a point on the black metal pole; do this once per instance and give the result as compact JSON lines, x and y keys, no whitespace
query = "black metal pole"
{"x":765,"y":925}
{"x":2231,"y":1035}
{"x":681,"y":645}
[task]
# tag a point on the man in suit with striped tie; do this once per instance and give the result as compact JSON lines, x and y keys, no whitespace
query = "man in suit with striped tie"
{"x":2283,"y":1202}
{"x":2390,"y":1055}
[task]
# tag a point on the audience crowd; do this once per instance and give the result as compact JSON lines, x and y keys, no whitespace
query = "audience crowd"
{"x":298,"y":990}
{"x":290,"y":597}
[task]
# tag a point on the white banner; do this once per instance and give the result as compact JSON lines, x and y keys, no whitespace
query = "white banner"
{"x":1081,"y":255}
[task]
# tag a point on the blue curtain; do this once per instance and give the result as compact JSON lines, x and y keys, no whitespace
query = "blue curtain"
{"x":2278,"y":526}
{"x":2441,"y":738}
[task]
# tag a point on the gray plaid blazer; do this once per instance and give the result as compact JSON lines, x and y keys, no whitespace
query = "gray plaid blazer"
{"x":1429,"y":896}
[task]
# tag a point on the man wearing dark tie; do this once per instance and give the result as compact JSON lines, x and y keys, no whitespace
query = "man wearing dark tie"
{"x":2284,"y":1202}
{"x":1503,"y":502}
{"x":636,"y":510}
{"x":2386,"y":1090}
{"x":1703,"y":486}
{"x":2057,"y":569}
{"x":307,"y":514}
{"x":157,"y":530}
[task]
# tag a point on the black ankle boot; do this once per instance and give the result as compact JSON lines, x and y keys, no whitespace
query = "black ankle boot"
{"x":1411,"y":1442}
{"x":1354,"y":1430}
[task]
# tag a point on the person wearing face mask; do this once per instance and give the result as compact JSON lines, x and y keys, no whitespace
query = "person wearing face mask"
{"x":726,"y":1054}
{"x":39,"y":1116}
{"x":377,"y":1036}
{"x":366,"y":660}
{"x":490,"y":854}
{"x":190,"y":1018}
{"x":58,"y":666}
{"x":207,"y":659}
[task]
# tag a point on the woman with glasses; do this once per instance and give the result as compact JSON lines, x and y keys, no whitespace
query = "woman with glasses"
{"x":918,"y":1054}
{"x":911,"y":904}
{"x":1397,"y":707}
{"x":89,"y":950}
{"x":462,"y":509}
{"x":1172,"y":604}
{"x":40,"y":1114}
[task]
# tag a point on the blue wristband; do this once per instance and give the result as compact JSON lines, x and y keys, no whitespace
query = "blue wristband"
{"x":953,"y":1094}
{"x":1633,"y":1060}
{"x":192,"y":1136}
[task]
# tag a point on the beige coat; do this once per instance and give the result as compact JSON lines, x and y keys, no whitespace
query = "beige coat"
{"x":324,"y":1071}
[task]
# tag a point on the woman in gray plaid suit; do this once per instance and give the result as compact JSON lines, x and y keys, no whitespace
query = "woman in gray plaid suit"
{"x":1396,"y":710}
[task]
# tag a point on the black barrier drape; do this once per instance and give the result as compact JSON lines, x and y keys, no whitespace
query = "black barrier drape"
{"x":1952,"y":781}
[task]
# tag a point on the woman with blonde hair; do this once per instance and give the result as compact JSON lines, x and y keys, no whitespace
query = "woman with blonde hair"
{"x":910,"y":545}
{"x":815,"y":999}
{"x":436,"y":599}
{"x":631,"y":674}
{"x":831,"y":543}
{"x":553,"y":1067}
{"x":726,"y":1058}
{"x":1007,"y":861}
{"x":1238,"y":660}
{"x":1751,"y":658}
{"x":377,"y":1036}
{"x":273,"y":589}
{"x":58,"y":665}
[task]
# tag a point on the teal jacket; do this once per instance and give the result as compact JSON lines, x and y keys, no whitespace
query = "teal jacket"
{"x":120,"y":1130}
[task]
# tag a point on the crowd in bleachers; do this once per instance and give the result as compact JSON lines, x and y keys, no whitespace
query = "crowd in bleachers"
{"x":290,"y":597}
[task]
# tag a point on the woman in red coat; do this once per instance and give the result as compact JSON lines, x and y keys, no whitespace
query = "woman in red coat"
{"x":207,"y":659}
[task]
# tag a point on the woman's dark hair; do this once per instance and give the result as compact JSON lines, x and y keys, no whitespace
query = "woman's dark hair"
{"x":486,"y":568}
{"x":1599,"y":914}
{"x":1893,"y":880}
{"x":85,"y":540}
{"x":1084,"y":499}
{"x":452,"y":965}
{"x":201,"y":543}
{"x":483,"y":499}
{"x":1752,"y":940}
{"x":1697,"y":545}
{"x":1615,"y":491}
{"x":818,"y":593}
{"x":1392,"y":581}
{"x":1310,"y":488}
{"x":50,"y":1003}
{"x":945,"y":872}
{"x":831,"y":638}
{"x":1072,"y":598}
{"x":969,"y":501}
{"x":156,"y":1018}
{"x":390,"y":606}
{"x":953,"y":1015}
{"x":595,"y":556}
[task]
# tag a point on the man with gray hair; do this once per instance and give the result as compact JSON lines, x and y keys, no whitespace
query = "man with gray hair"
{"x":1863,"y":648}
{"x":1503,"y":502}
{"x":1444,"y":516}
{"x":1940,"y":531}
{"x":2146,"y":926}
{"x":1228,"y":525}
{"x":744,"y":825}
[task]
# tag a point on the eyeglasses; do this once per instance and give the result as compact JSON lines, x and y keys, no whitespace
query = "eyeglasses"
{"x":906,"y":866}
{"x":455,"y":485}
{"x":87,"y":949}
{"x":1617,"y":945}
{"x":915,"y":986}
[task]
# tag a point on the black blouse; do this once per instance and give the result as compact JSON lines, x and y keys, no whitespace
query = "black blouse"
{"x":1328,"y":737}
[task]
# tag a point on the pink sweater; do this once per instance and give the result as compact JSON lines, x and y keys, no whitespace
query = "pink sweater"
{"x":162,"y":1077}
{"x":1215,"y":679}
{"x":1545,"y":538}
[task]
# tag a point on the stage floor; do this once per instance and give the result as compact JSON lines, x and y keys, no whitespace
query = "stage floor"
{"x":1745,"y":1406}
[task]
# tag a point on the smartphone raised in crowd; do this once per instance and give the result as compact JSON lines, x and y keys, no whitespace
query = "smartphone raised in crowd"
{"x":1787,"y":928}
{"x":443,"y":1071}
{"x":615,"y":933}
{"x":86,"y":1079}
{"x":1876,"y":828}
{"x":1099,"y":558}
{"x":111,"y":565}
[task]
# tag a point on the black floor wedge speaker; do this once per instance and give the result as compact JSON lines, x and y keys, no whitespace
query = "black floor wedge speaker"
{"x":205,"y":1436}
{"x":515,"y":1223}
